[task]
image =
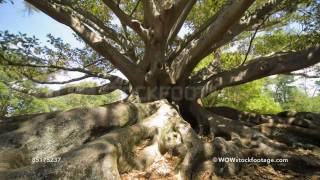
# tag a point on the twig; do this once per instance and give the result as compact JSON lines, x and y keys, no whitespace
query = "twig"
{"x":135,"y":8}
{"x":251,"y":41}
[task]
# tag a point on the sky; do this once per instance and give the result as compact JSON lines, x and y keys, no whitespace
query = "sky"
{"x":16,"y":18}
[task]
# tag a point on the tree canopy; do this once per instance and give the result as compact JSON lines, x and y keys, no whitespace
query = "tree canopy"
{"x":206,"y":45}
{"x":201,"y":80}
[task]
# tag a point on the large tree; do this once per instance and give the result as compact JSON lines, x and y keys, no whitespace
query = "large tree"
{"x":158,"y":63}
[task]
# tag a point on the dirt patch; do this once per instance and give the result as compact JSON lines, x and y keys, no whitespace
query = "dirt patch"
{"x":163,"y":168}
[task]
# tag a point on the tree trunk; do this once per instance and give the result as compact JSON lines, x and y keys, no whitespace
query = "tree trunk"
{"x":149,"y":141}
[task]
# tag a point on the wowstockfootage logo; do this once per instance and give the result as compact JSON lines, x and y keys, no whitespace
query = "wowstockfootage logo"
{"x":248,"y":160}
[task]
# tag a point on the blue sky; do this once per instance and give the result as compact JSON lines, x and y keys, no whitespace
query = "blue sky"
{"x":15,"y":18}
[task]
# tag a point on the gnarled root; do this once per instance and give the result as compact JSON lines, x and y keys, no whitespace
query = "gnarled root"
{"x":235,"y":138}
{"x":117,"y":140}
{"x":148,"y":131}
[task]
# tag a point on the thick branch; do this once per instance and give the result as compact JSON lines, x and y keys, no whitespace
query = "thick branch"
{"x":180,"y":12}
{"x":94,"y":22}
{"x":99,"y":26}
{"x":127,"y":19}
{"x":99,"y":90}
{"x":253,"y":20}
{"x":150,"y":12}
{"x":227,"y":17}
{"x":65,"y":16}
{"x":211,"y":69}
{"x":262,"y":67}
{"x":105,"y":31}
{"x":190,"y":38}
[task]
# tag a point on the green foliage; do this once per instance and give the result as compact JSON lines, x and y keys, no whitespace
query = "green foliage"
{"x":13,"y":103}
{"x":283,"y":88}
{"x":266,"y":96}
{"x":299,"y":101}
{"x":204,"y":63}
{"x":96,"y":7}
{"x":252,"y":97}
{"x":202,"y":12}
{"x":231,"y":60}
{"x":299,"y":28}
{"x":292,"y":98}
{"x":228,"y":61}
{"x":280,"y":40}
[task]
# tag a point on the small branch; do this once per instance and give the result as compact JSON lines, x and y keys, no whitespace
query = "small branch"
{"x":93,"y":63}
{"x":99,"y":75}
{"x":250,"y":45}
{"x":251,"y":41}
{"x":303,"y":75}
{"x":135,"y":8}
{"x":128,"y":20}
{"x":56,"y":82}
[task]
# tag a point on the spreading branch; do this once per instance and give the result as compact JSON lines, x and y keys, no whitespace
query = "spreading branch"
{"x":190,"y":38}
{"x":251,"y":22}
{"x":56,"y":82}
{"x":262,"y":67}
{"x":251,"y":42}
{"x":224,"y":19}
{"x":150,"y":12}
{"x":94,"y":22}
{"x":254,"y":19}
{"x":180,"y":11}
{"x":127,"y":19}
{"x":71,"y":69}
{"x":135,"y":8}
{"x":99,"y":90}
{"x":65,"y":16}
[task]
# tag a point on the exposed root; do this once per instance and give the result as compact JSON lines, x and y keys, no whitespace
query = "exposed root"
{"x":152,"y":141}
{"x":53,"y":134}
{"x":119,"y":151}
{"x":267,"y":140}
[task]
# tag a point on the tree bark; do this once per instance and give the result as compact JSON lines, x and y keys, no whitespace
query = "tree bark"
{"x":116,"y":140}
